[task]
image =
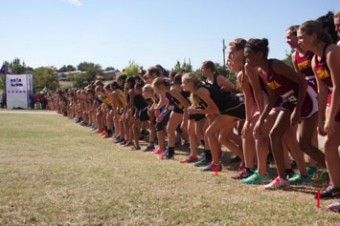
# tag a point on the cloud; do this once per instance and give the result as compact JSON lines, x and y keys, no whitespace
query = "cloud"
{"x":75,"y":2}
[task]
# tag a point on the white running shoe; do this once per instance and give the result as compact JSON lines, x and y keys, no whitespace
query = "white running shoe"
{"x":277,"y":183}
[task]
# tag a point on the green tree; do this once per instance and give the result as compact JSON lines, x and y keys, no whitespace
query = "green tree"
{"x":67,"y":68}
{"x":110,"y":69}
{"x":45,"y":77}
{"x":83,"y":79}
{"x":18,"y":67}
{"x":183,"y":66}
{"x":288,"y":59}
{"x":132,"y":69}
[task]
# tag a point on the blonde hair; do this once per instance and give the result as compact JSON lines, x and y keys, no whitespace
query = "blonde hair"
{"x":148,"y":87}
{"x":161,"y":81}
{"x":193,"y":78}
{"x":337,"y":14}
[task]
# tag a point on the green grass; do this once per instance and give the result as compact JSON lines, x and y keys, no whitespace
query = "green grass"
{"x":55,"y":172}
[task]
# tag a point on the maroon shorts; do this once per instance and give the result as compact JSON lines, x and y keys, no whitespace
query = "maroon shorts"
{"x":309,"y":107}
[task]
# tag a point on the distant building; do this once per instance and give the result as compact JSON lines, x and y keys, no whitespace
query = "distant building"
{"x":108,"y":75}
{"x":67,"y":76}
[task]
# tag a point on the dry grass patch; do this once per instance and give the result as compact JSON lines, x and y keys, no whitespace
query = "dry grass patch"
{"x":53,"y":171}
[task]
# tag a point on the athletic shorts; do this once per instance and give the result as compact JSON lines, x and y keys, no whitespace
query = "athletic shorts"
{"x":238,"y":112}
{"x":196,"y":117}
{"x":309,"y":107}
{"x":311,"y":80}
{"x":143,"y":115}
{"x":162,"y":124}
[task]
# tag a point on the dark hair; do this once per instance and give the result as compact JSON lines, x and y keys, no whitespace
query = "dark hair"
{"x":140,"y":85}
{"x":131,"y":82}
{"x":164,"y":72}
{"x":327,"y":22}
{"x":122,"y":77}
{"x":154,"y":70}
{"x":258,"y":45}
{"x":314,"y":27}
{"x":293,"y":29}
{"x":178,"y":78}
{"x":209,"y":65}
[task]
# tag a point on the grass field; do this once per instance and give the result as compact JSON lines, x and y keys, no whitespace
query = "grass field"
{"x":55,"y":172}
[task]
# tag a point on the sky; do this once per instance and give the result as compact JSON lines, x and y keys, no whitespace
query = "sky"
{"x":148,"y":32}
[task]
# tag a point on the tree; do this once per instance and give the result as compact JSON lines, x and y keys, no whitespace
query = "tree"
{"x":110,"y":69}
{"x":91,"y":69}
{"x":288,"y":59}
{"x":18,"y":67}
{"x":67,"y":68}
{"x":184,"y":66}
{"x":45,"y":77}
{"x":132,"y":69}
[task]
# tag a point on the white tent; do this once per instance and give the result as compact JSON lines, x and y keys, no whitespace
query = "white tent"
{"x":19,"y":88}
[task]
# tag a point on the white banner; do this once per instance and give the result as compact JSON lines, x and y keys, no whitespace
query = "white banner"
{"x":18,"y":90}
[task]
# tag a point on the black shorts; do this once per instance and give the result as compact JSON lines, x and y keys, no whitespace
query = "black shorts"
{"x":196,"y":117}
{"x":237,"y":111}
{"x":143,"y":115}
{"x":162,"y":124}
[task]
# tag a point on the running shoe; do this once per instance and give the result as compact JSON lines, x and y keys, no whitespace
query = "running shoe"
{"x":243,"y":174}
{"x":256,"y":178}
{"x":312,"y":170}
{"x":99,"y":131}
{"x":277,"y":183}
{"x":202,"y":162}
{"x":158,"y":151}
{"x":212,"y":168}
{"x":167,"y":155}
{"x":334,"y":207}
{"x":290,"y":173}
{"x":329,"y":192}
{"x":135,"y":148}
{"x":190,"y":159}
{"x":300,"y":179}
{"x":117,"y":139}
{"x":129,"y":143}
{"x":149,"y":148}
{"x":104,"y":134}
{"x":123,"y":142}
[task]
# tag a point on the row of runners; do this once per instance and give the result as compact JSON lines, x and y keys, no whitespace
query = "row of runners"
{"x":259,"y":115}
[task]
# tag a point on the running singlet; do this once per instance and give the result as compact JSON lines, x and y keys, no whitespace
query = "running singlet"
{"x":121,"y":99}
{"x":223,"y":102}
{"x":288,"y":91}
{"x":174,"y":104}
{"x":304,"y":65}
{"x":223,"y":99}
{"x":323,"y":73}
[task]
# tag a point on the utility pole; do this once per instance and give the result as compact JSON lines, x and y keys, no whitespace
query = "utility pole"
{"x":224,"y":48}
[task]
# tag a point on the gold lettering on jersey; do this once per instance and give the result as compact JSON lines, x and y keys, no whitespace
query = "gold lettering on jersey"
{"x":304,"y":65}
{"x":273,"y":85}
{"x":322,"y":74}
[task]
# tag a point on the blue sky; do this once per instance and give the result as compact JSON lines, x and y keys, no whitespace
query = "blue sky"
{"x":112,"y":32}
